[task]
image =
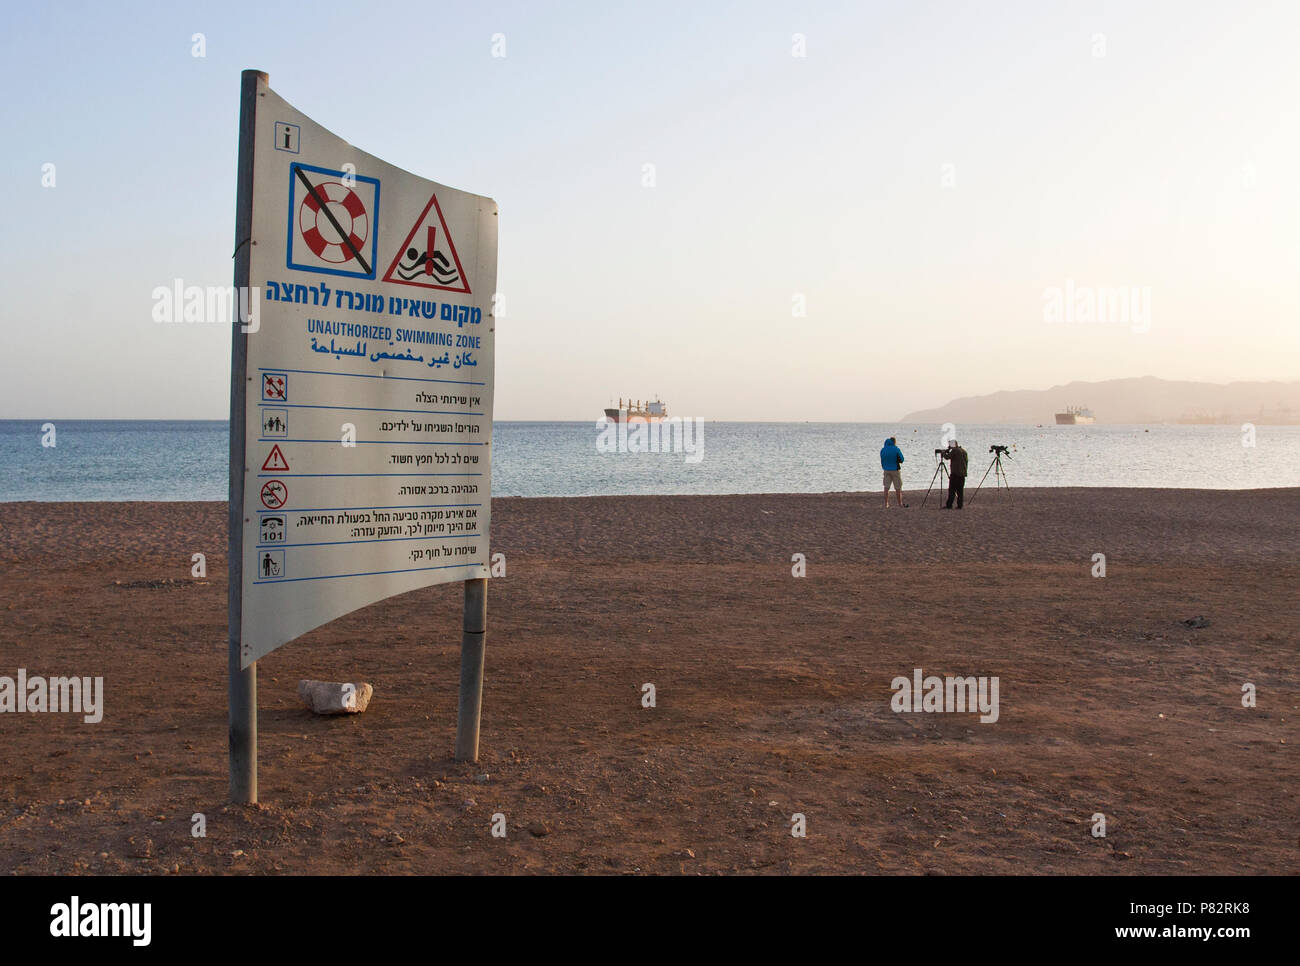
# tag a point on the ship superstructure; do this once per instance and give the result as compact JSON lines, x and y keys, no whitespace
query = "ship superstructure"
{"x":1075,"y":416}
{"x":651,"y":412}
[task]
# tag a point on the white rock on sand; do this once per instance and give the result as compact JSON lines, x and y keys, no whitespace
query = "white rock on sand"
{"x":330,"y":697}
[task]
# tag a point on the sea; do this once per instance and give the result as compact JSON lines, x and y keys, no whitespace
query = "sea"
{"x":188,"y":460}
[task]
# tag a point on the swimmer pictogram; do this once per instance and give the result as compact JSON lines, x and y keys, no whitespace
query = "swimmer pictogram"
{"x":428,"y":258}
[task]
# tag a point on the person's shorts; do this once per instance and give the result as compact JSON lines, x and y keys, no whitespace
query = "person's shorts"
{"x":896,"y":478}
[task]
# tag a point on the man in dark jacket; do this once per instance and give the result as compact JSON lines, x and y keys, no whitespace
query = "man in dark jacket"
{"x":957,"y":461}
{"x":891,"y":461}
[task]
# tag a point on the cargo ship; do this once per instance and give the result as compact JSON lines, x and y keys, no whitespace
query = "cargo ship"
{"x":651,"y":412}
{"x":1075,"y":416}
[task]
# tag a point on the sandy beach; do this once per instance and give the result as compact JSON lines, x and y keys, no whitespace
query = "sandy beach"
{"x":773,"y":693}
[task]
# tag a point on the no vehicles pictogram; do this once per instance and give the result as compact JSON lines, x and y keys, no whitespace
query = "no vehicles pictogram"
{"x":274,"y":494}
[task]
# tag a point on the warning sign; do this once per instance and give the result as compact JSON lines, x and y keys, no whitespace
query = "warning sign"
{"x":428,"y":256}
{"x":275,"y":460}
{"x":411,"y":379}
{"x":332,"y":221}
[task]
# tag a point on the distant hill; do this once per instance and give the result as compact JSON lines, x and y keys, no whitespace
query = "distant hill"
{"x":1144,"y":400}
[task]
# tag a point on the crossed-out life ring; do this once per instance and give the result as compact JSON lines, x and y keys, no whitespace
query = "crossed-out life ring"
{"x":316,"y":228}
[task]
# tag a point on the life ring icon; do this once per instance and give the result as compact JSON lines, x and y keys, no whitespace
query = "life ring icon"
{"x":321,"y":232}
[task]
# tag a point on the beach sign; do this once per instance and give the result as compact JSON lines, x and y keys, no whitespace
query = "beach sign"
{"x":360,"y":400}
{"x":368,"y":379}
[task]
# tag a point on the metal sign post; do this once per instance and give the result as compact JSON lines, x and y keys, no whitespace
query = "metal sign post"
{"x":472,"y":645}
{"x":241,"y":681}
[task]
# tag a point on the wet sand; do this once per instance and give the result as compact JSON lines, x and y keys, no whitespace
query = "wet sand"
{"x":773,"y":693}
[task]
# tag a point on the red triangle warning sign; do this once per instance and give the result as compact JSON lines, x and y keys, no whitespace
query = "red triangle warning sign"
{"x":276,"y":460}
{"x":428,"y":257}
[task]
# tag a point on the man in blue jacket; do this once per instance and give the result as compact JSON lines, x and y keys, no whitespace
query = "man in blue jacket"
{"x":891,"y":461}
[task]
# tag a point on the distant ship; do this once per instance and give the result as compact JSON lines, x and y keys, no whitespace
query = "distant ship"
{"x":651,"y":412}
{"x":1075,"y":416}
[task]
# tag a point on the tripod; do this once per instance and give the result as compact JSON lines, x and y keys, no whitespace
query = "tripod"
{"x":940,"y":473}
{"x":999,"y":477}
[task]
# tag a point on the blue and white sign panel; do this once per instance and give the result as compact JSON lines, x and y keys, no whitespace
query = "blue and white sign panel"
{"x":368,"y":467}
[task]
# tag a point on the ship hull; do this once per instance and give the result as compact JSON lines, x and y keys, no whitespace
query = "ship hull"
{"x":1073,"y":419}
{"x":614,"y":416}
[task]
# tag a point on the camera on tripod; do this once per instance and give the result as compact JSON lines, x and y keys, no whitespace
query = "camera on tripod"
{"x":940,"y":452}
{"x":996,"y":468}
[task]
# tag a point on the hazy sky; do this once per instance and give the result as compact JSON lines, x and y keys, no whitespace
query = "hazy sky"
{"x":920,"y":177}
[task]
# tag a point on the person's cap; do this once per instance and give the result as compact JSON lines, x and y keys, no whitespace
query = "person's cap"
{"x":952,"y":443}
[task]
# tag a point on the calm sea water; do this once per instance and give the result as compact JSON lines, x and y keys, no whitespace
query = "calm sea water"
{"x":162,"y":460}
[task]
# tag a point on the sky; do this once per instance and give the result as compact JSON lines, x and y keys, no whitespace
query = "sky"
{"x":858,"y":209}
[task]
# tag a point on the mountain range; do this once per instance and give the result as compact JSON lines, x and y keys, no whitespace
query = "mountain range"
{"x":1142,"y":400}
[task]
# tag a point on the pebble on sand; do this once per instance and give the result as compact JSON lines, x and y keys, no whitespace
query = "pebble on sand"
{"x":330,"y":697}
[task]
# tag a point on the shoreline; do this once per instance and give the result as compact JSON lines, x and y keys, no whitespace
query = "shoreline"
{"x":1028,"y":489}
